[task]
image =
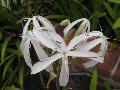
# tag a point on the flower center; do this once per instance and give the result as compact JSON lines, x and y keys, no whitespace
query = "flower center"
{"x":64,"y":53}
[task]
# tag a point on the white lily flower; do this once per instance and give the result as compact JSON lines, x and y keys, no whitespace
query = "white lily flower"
{"x":64,"y":53}
{"x":47,"y":36}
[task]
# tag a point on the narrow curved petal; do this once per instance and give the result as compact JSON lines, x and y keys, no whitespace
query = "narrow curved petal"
{"x":104,"y":46}
{"x":57,"y":38}
{"x":90,"y":44}
{"x":87,"y":54}
{"x":25,"y":29}
{"x":39,"y":50}
{"x":68,"y":28}
{"x":76,"y":40}
{"x":84,"y":27}
{"x":64,"y":74}
{"x":24,"y":46}
{"x":39,"y":66}
{"x":36,"y":24}
{"x":99,"y":59}
{"x":44,"y":40}
{"x":49,"y":68}
{"x":46,"y":23}
{"x":96,"y":33}
{"x":41,"y":53}
{"x":90,"y":64}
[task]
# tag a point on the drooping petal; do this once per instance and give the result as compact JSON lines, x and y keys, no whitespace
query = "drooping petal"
{"x":46,"y":23}
{"x":39,"y":66}
{"x":36,"y":24}
{"x":99,"y":59}
{"x":44,"y":40}
{"x":25,"y":29}
{"x":83,"y":37}
{"x":76,"y":40}
{"x":24,"y":46}
{"x":84,"y":27}
{"x":41,"y":53}
{"x":87,"y":54}
{"x":104,"y":46}
{"x":90,"y":45}
{"x":39,"y":50}
{"x":68,"y":28}
{"x":57,"y":38}
{"x":90,"y":64}
{"x":96,"y":33}
{"x":64,"y":74}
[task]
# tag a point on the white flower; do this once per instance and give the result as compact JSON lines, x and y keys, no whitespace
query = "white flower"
{"x":46,"y":35}
{"x":65,"y":51}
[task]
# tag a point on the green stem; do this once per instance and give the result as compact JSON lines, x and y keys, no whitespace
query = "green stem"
{"x":64,"y":88}
{"x":41,"y":79}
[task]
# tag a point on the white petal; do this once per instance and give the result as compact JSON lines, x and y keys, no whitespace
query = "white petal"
{"x":90,"y":64}
{"x":36,"y":23}
{"x":24,"y":46}
{"x":44,"y":40}
{"x":46,"y":23}
{"x":87,"y":54}
{"x":68,"y":28}
{"x":84,"y":27}
{"x":39,"y":66}
{"x":64,"y":74}
{"x":25,"y":29}
{"x":95,"y":33}
{"x":98,"y":59}
{"x":76,"y":40}
{"x":41,"y":53}
{"x":49,"y":68}
{"x":57,"y":38}
{"x":39,"y":50}
{"x":104,"y":46}
{"x":90,"y":45}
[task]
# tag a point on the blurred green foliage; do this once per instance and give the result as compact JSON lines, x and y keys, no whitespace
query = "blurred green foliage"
{"x":103,"y":14}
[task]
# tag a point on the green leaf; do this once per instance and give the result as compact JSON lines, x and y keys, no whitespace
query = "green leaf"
{"x":0,"y":34}
{"x":115,"y":1}
{"x":111,"y":12}
{"x":4,"y":46}
{"x":83,"y":6}
{"x":7,"y":17}
{"x":93,"y":85}
{"x":58,"y":17}
{"x":107,"y":86}
{"x":21,"y":74}
{"x":116,"y":24}
{"x":113,"y":45}
{"x":64,"y":88}
{"x":74,"y":9}
{"x":11,"y":88}
{"x":59,"y":7}
{"x":7,"y":66}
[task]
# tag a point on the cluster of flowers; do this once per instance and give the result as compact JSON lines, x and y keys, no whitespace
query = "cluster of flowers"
{"x":43,"y":35}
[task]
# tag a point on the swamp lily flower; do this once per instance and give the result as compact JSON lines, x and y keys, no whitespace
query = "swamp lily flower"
{"x":45,"y":35}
